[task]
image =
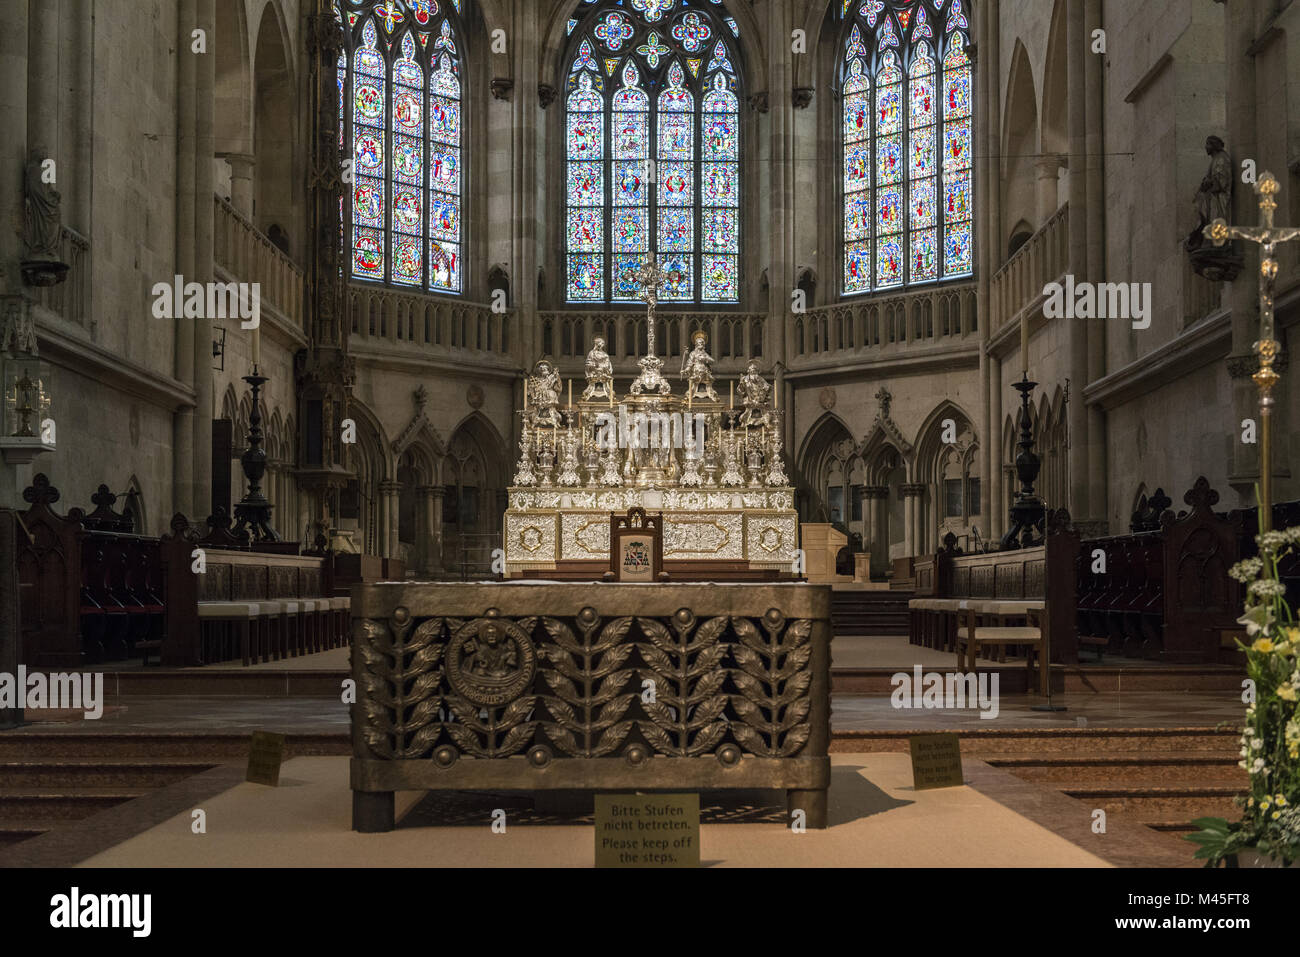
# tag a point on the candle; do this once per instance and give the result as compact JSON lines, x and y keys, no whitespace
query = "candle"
{"x":731,"y":392}
{"x":776,"y":395}
{"x":1024,"y":343}
{"x":257,"y":346}
{"x":525,"y":392}
{"x":570,"y":393}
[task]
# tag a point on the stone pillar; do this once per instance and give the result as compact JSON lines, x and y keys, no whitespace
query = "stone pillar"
{"x":13,"y":149}
{"x":1095,"y":106}
{"x":388,"y":538}
{"x":527,"y":214}
{"x":779,"y":210}
{"x":431,"y":497}
{"x":992,"y":505}
{"x":1078,"y":47}
{"x":1048,"y":167}
{"x":43,"y":81}
{"x":989,"y":240}
{"x":241,"y":182}
{"x":183,"y":423}
{"x":204,"y":236}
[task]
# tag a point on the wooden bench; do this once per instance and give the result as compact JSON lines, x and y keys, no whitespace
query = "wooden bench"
{"x":1164,"y":594}
{"x":249,"y":605}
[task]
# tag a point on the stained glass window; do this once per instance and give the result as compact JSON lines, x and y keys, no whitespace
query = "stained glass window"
{"x":400,"y":94}
{"x":905,"y":81}
{"x":652,"y":150}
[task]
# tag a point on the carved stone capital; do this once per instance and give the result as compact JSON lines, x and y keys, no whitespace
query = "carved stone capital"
{"x":502,"y":87}
{"x":545,"y":94}
{"x":759,"y":102}
{"x":911,"y":489}
{"x":803,"y":97}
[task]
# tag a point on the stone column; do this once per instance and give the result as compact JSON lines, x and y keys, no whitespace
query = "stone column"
{"x":527,"y":216}
{"x":1048,"y":167}
{"x":241,"y":182}
{"x":43,"y":81}
{"x":13,"y":158}
{"x":431,"y":497}
{"x":780,"y":212}
{"x":992,"y":504}
{"x":1095,"y":105}
{"x":204,"y":238}
{"x":1078,"y":47}
{"x":183,"y":423}
{"x":989,"y":239}
{"x":388,"y":538}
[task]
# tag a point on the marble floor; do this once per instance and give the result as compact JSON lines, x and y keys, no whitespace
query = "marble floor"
{"x":877,"y":819}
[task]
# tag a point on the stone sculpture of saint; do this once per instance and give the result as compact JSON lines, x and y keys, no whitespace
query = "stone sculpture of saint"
{"x":753,"y":396}
{"x":41,"y":211}
{"x":1214,"y":197}
{"x":697,"y":370}
{"x":600,"y":372}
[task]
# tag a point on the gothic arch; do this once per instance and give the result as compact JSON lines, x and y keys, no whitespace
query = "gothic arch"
{"x":827,"y":451}
{"x":1020,"y":142}
{"x":275,"y":126}
{"x":133,"y":503}
{"x":929,"y":438}
{"x":233,"y":84}
{"x":1055,"y":136}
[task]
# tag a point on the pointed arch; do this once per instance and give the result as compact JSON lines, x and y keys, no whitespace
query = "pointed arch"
{"x":1020,"y":142}
{"x":929,"y":438}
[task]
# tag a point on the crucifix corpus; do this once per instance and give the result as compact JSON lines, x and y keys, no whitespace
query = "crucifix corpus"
{"x":1266,"y":378}
{"x":651,"y":380}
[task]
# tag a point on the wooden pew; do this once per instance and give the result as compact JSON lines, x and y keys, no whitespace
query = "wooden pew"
{"x":958,"y":591}
{"x":276,"y":604}
{"x":1164,"y":594}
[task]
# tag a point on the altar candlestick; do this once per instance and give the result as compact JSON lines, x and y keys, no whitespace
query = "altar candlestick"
{"x":1024,"y":343}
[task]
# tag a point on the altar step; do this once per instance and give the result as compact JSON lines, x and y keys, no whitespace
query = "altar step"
{"x":1084,"y":679}
{"x":860,"y":612}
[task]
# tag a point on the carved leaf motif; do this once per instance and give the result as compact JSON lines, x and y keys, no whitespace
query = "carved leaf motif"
{"x":708,"y":739}
{"x":467,"y":740}
{"x":611,"y":686}
{"x":659,"y":713}
{"x":562,"y":635}
{"x":658,"y":660}
{"x":751,"y":740}
{"x":658,"y":739}
{"x":422,"y":743}
{"x":563,"y":687}
{"x":515,"y":740}
{"x":612,"y":739}
{"x":656,"y":632}
{"x":562,"y":713}
{"x":708,"y":711}
{"x":707,"y":660}
{"x":613,"y":711}
{"x":614,"y":659}
{"x":612,"y":634}
{"x":563,"y":739}
{"x":795,"y":740}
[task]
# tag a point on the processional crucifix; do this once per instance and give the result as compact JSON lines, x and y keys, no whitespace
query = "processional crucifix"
{"x":1266,"y":378}
{"x":650,"y":277}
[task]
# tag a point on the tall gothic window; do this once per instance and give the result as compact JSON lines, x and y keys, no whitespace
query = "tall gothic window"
{"x":906,"y":90}
{"x":401,"y":86}
{"x":652,"y":140}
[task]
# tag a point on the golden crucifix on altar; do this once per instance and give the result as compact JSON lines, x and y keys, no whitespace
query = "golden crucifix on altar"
{"x":1266,"y":378}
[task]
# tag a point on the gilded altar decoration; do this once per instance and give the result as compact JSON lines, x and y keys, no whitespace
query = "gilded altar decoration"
{"x":697,"y":370}
{"x":700,"y":462}
{"x":600,"y":373}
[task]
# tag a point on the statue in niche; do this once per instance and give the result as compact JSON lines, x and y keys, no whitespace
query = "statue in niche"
{"x":1213,"y":201}
{"x":41,"y":227}
{"x":600,"y":372}
{"x":753,"y":397}
{"x":544,"y":392}
{"x":697,"y":370}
